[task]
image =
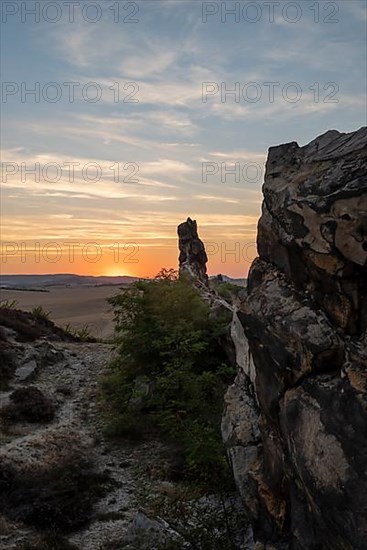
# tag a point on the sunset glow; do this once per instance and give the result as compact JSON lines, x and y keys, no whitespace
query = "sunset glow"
{"x":112,"y":178}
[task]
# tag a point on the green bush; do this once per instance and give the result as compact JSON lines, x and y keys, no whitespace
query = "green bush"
{"x":227,"y":291}
{"x":170,"y":372}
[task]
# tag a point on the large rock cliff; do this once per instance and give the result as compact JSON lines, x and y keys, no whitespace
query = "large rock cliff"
{"x":295,"y":421}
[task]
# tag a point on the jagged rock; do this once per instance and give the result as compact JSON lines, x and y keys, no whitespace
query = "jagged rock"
{"x":301,"y":352}
{"x":314,"y":222}
{"x":193,"y":258}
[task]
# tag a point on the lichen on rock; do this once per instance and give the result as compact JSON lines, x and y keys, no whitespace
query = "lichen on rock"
{"x":303,"y":360}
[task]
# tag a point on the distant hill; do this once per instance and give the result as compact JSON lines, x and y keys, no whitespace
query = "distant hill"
{"x":65,"y":280}
{"x":226,"y":279}
{"x":60,"y":280}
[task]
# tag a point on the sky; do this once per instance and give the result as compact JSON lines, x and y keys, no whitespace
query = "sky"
{"x":144,"y":113}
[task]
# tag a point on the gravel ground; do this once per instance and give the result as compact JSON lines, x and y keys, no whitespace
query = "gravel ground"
{"x":72,"y":381}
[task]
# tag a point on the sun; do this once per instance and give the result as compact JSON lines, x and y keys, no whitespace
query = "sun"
{"x":113,"y":272}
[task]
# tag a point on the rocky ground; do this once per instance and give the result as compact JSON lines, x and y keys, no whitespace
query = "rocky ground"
{"x":68,"y":374}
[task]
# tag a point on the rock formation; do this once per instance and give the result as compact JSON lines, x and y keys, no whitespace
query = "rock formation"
{"x":193,"y":258}
{"x":295,"y":421}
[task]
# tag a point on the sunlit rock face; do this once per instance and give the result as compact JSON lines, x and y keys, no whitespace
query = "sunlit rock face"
{"x":193,"y":258}
{"x":314,"y":222}
{"x":295,"y":421}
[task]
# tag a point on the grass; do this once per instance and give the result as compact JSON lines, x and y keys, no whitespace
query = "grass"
{"x":83,"y":334}
{"x":40,"y":314}
{"x":8,"y":304}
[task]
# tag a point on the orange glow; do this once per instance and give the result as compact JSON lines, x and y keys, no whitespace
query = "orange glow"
{"x":113,"y":272}
{"x":146,"y":262}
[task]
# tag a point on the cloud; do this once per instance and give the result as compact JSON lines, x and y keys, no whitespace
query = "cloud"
{"x":216,"y":199}
{"x":170,"y":132}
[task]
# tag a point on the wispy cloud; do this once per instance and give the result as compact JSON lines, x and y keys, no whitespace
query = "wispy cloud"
{"x":170,"y":131}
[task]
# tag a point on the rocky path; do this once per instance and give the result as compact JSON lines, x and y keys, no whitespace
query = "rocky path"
{"x":71,"y":379}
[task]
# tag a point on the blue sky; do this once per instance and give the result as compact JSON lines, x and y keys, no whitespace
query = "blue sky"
{"x":169,"y":132}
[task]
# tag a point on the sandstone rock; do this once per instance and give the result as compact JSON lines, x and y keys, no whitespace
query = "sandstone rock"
{"x":193,"y":258}
{"x":302,"y":352}
{"x":314,"y":222}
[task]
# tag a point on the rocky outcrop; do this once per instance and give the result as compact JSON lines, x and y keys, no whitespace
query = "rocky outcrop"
{"x":295,"y":420}
{"x":193,"y":258}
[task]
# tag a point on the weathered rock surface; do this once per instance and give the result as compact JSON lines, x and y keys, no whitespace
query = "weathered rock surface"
{"x":295,"y":421}
{"x":193,"y":258}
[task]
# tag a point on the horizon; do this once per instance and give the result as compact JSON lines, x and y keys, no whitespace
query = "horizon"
{"x":88,"y":275}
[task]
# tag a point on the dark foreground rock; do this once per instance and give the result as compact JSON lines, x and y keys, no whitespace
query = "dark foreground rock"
{"x":295,"y":422}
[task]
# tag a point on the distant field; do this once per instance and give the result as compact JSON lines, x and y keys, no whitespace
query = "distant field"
{"x":77,"y":306}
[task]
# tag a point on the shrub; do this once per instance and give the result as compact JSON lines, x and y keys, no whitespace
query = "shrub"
{"x":28,"y":405}
{"x":60,"y":499}
{"x":126,"y":425}
{"x":167,"y":337}
{"x":50,"y":540}
{"x":7,"y":366}
{"x":167,"y":274}
{"x":227,"y":291}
